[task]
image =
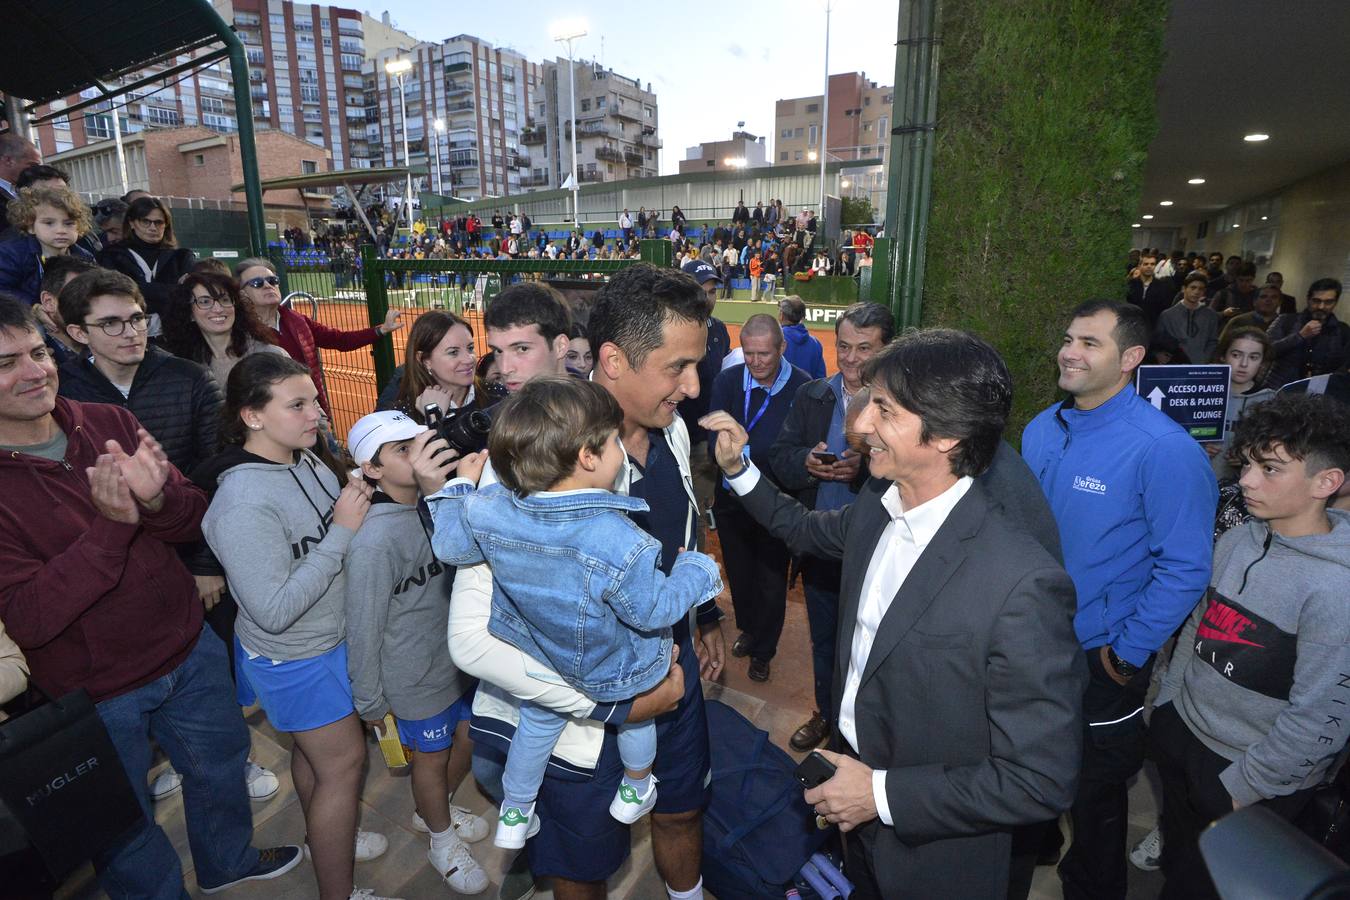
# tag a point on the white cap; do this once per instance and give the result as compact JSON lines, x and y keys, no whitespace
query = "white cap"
{"x":372,"y":432}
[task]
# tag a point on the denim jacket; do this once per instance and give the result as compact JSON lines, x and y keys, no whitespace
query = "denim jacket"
{"x":576,"y":584}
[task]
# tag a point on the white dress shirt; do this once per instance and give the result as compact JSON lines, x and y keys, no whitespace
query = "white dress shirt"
{"x":901,"y":544}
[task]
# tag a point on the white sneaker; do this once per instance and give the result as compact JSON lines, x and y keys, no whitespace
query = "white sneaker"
{"x":469,"y":827}
{"x":367,"y":894}
{"x":1147,"y":854}
{"x":262,"y":784}
{"x":628,"y":805}
{"x":369,"y":845}
{"x":459,"y":869}
{"x":515,"y":826}
{"x":166,"y":784}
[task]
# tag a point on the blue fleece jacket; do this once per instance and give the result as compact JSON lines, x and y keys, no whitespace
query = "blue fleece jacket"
{"x":803,"y":350}
{"x":1134,"y":497}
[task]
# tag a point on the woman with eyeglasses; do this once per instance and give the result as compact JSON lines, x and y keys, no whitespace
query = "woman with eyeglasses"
{"x":298,"y":335}
{"x":208,"y":323}
{"x":149,"y":254}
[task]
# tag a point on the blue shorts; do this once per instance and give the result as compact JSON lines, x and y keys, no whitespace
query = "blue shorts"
{"x":436,"y":733}
{"x":299,"y":694}
{"x":578,"y":839}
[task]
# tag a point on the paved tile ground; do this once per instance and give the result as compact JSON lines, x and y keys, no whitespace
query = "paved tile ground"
{"x":779,"y":707}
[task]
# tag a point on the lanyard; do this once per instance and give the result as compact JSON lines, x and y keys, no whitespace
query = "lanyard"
{"x":758,"y":415}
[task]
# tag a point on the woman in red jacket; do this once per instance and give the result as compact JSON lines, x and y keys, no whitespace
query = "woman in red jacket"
{"x":298,"y":335}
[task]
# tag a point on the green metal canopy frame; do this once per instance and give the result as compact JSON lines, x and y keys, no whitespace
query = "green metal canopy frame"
{"x":56,"y":48}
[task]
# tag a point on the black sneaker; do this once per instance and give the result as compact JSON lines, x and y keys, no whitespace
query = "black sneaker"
{"x":272,"y":862}
{"x":759,"y":670}
{"x":741,"y":648}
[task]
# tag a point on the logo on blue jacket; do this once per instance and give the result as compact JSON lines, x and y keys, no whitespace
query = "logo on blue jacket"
{"x":1089,"y":484}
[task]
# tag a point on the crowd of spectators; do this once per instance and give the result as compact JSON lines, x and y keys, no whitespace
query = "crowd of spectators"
{"x":182,"y":534}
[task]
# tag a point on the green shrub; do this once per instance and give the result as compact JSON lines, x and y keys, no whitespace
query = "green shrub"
{"x":1045,"y":113}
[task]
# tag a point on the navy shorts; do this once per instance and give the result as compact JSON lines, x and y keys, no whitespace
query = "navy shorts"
{"x":436,"y":733}
{"x":578,"y":839}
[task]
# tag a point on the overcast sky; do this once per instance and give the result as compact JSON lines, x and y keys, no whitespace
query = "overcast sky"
{"x":712,"y":66}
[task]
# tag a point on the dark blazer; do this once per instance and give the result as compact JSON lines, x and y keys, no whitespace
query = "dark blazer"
{"x":971,"y":698}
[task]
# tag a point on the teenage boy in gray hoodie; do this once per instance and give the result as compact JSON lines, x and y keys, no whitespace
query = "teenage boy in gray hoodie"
{"x":1253,"y":706}
{"x":398,"y":601}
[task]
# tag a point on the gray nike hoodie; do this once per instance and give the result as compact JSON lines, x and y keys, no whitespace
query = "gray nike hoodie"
{"x":1261,"y":674}
{"x":271,"y":527}
{"x":398,"y":604}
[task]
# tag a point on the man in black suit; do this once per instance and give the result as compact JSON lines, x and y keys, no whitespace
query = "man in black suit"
{"x":958,"y":682}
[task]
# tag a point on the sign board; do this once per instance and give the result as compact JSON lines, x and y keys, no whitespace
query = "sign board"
{"x":824,"y":315}
{"x":1193,"y":396}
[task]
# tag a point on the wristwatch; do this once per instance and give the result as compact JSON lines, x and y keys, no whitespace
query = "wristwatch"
{"x":1125,"y":669}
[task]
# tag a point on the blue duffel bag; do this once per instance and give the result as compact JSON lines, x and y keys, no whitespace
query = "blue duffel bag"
{"x":757,"y":829}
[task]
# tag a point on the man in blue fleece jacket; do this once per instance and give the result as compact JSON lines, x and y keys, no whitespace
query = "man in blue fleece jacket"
{"x":1134,"y":497}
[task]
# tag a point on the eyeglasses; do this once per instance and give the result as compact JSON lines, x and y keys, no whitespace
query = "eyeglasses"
{"x":150,"y":223}
{"x":261,"y":280}
{"x":115,"y":327}
{"x":208,"y":301}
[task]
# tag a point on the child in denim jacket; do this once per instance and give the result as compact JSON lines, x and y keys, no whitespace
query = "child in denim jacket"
{"x":576,"y":584}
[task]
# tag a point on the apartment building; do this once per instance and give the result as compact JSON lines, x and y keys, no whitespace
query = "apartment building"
{"x":617,"y":127}
{"x":743,"y":151}
{"x":859,"y":128}
{"x":480,"y":94}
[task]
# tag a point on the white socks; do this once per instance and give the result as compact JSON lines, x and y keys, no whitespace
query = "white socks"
{"x":444,"y":840}
{"x":694,"y":893}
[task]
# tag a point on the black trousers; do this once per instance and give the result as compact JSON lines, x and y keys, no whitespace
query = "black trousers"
{"x":757,"y":565}
{"x":1094,"y":868}
{"x":858,"y":866}
{"x":1193,"y":797}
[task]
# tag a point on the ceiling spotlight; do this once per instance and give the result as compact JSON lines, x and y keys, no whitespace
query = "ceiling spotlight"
{"x":1263,"y":218}
{"x":1146,"y":217}
{"x":1196,"y":181}
{"x":1256,"y":138}
{"x":1236,"y":225}
{"x":1164,"y":202}
{"x":1136,"y":225}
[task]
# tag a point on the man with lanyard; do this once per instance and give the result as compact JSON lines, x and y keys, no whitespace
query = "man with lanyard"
{"x":648,"y":327}
{"x":758,"y":393}
{"x":812,"y":459}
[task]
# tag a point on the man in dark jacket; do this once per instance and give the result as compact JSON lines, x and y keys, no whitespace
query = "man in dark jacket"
{"x":1152,"y":295}
{"x":93,"y":593}
{"x":758,"y":394}
{"x":176,"y":400}
{"x":814,"y":426}
{"x":958,"y":681}
{"x":1311,"y":342}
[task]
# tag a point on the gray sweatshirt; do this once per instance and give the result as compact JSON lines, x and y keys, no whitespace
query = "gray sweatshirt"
{"x":271,"y":527}
{"x":398,"y":604}
{"x":1259,"y":673}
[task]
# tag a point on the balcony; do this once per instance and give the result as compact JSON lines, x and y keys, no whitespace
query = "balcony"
{"x":590,"y":177}
{"x":609,"y":154}
{"x":459,"y":106}
{"x":633,"y":158}
{"x":588,"y":129}
{"x":518,"y":160}
{"x":351,"y":66}
{"x":630,"y":115}
{"x":349,"y":27}
{"x":356,"y":113}
{"x":460,"y":66}
{"x":534,"y":135}
{"x":457,"y":87}
{"x":533,"y":180}
{"x":651,"y":140}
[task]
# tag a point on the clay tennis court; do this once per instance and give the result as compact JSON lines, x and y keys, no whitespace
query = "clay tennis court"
{"x":350,"y":375}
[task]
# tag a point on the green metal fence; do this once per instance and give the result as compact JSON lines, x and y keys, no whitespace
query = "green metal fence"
{"x":351,"y":296}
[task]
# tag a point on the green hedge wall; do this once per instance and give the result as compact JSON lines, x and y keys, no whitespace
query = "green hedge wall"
{"x":1045,"y":113}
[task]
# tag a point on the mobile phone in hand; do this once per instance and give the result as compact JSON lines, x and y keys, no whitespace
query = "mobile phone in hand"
{"x":825,"y":457}
{"x":814,"y":771}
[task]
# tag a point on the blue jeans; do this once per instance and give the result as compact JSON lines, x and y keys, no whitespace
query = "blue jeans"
{"x":192,"y":714}
{"x":820,"y":585}
{"x":537,"y":735}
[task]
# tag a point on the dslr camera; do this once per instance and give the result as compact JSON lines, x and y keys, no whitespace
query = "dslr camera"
{"x":466,"y":431}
